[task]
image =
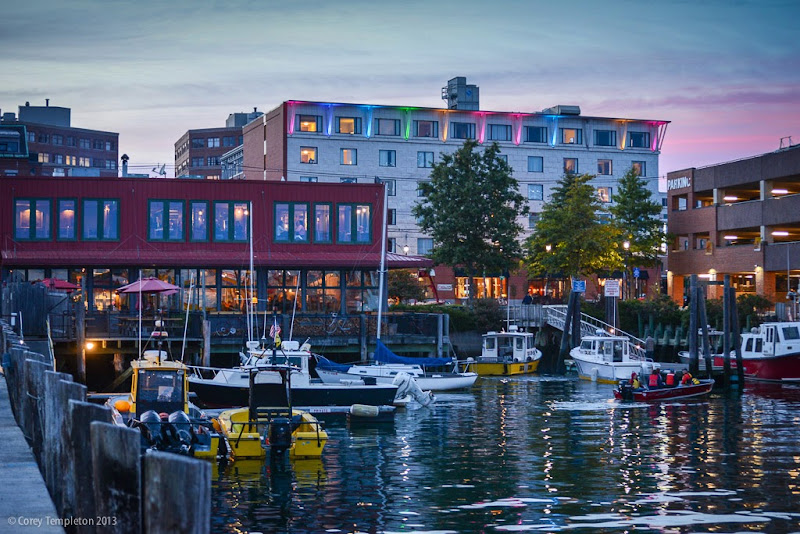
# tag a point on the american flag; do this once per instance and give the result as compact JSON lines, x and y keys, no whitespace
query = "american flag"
{"x":274,"y":330}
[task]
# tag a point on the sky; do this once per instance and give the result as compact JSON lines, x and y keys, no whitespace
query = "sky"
{"x":726,"y":73}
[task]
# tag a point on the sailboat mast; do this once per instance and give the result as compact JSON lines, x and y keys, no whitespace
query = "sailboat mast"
{"x":382,"y":272}
{"x":250,"y":304}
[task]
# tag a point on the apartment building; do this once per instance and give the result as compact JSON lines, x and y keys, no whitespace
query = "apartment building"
{"x":740,"y":218}
{"x":56,"y":148}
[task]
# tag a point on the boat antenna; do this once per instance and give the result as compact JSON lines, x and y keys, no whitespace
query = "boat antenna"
{"x":382,"y":272}
{"x":186,"y":322}
{"x":140,"y":314}
{"x":294,"y":305}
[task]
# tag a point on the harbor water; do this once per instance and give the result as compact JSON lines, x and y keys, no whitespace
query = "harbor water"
{"x":538,"y":454}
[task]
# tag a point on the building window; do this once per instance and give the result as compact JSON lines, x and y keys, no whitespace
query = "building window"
{"x":45,"y":138}
{"x":571,"y":136}
{"x":391,"y":244}
{"x":425,"y":160}
{"x":44,"y":158}
{"x":604,"y":194}
{"x":354,"y":223}
{"x":100,"y":220}
{"x":571,"y":165}
{"x":308,"y":179}
{"x":308,"y":154}
{"x":199,"y":142}
{"x":213,"y":161}
{"x":111,"y":164}
{"x":535,"y":164}
{"x":535,"y":134}
{"x":84,"y":161}
{"x":387,"y":127}
{"x":605,"y":137}
{"x":66,"y":220}
{"x":84,"y":143}
{"x":70,"y":160}
{"x":424,"y":245}
{"x":499,"y":132}
{"x":32,"y":137}
{"x":533,"y":218}
{"x":639,"y":139}
{"x":309,"y":123}
{"x":199,"y":221}
{"x":348,"y":180}
{"x":639,"y":168}
{"x":231,"y":221}
{"x":109,"y":146}
{"x":387,"y":158}
{"x":58,"y":139}
{"x":58,"y":159}
{"x":419,"y":189}
{"x":32,"y":219}
{"x":229,"y":141}
{"x":97,"y":144}
{"x":503,"y":158}
{"x":348,"y":125}
{"x":391,"y":217}
{"x":463,"y":130}
{"x":391,"y":185}
{"x":604,"y":167}
{"x":322,"y":223}
{"x":70,"y":141}
{"x":323,"y":292}
{"x":535,"y":192}
{"x":426,"y":128}
{"x":291,"y":222}
{"x":198,"y":162}
{"x":165,"y":220}
{"x":349,"y":156}
{"x":213,"y":142}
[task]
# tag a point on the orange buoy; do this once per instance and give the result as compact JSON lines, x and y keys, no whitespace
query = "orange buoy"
{"x":122,"y":406}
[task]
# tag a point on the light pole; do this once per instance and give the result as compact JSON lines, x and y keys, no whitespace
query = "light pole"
{"x":625,"y":278}
{"x":405,"y":250}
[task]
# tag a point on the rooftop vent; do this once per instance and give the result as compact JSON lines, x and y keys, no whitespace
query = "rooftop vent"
{"x":562,"y":110}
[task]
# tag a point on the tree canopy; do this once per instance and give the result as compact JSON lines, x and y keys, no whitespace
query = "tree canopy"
{"x":638,"y":219}
{"x":404,"y":286}
{"x":470,"y":209}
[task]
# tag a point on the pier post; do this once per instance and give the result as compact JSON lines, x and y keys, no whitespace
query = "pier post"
{"x":80,"y":329}
{"x":206,"y":343}
{"x":726,"y":329}
{"x":703,"y":318}
{"x":52,"y":440}
{"x":36,"y":390}
{"x":65,"y":391}
{"x":116,"y":457}
{"x":177,"y":494}
{"x":576,"y":320}
{"x":737,"y":340}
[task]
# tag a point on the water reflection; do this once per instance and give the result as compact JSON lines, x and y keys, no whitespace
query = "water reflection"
{"x":538,"y":454}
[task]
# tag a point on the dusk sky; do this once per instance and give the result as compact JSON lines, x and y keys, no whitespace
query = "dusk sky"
{"x":725,"y":73}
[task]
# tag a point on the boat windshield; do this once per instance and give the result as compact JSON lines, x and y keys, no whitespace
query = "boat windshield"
{"x":790,"y":333}
{"x":157,"y":387}
{"x":488,"y":343}
{"x":586,"y":344}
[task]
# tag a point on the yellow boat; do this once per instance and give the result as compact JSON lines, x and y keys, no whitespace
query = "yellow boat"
{"x":505,"y":354}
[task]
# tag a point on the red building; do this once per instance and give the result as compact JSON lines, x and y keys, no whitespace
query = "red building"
{"x":319,"y":242}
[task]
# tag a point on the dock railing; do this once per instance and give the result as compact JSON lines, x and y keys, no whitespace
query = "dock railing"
{"x":556,"y":317}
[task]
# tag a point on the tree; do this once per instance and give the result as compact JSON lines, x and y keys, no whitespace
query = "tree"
{"x":638,"y":219}
{"x":570,"y":238}
{"x":470,"y":209}
{"x":403,"y":285}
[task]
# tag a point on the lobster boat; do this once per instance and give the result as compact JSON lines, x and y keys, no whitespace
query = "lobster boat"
{"x":505,"y":354}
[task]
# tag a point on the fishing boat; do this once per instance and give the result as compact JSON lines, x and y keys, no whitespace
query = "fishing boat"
{"x":270,"y":424}
{"x":505,"y":354}
{"x":230,"y":387}
{"x":387,"y":366}
{"x":643,"y":394}
{"x":717,"y":358}
{"x":609,"y":359}
{"x":158,"y":405}
{"x":771,"y":352}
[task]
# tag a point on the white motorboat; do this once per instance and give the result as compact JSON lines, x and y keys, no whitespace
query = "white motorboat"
{"x":609,"y":359}
{"x":388,"y":365}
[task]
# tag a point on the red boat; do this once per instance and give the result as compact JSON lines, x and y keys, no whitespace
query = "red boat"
{"x":772,"y":352}
{"x":627,"y":393}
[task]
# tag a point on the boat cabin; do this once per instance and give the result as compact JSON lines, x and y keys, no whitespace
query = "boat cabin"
{"x":158,"y":385}
{"x":607,"y":349}
{"x":772,"y":339}
{"x":511,"y":346}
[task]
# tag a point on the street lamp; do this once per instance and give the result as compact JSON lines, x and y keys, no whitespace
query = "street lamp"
{"x":626,"y":279}
{"x":405,"y":250}
{"x":548,"y":248}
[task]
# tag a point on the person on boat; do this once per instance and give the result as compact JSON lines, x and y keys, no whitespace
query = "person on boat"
{"x":650,"y":347}
{"x":670,"y":381}
{"x":655,"y":380}
{"x":635,"y":384}
{"x":686,"y":379}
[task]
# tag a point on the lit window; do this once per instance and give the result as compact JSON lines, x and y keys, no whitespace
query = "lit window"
{"x":387,"y":126}
{"x":387,"y":158}
{"x":199,"y":221}
{"x":309,"y":123}
{"x":535,"y":192}
{"x":308,"y":179}
{"x":322,"y":223}
{"x":604,"y":166}
{"x":44,"y":158}
{"x":639,"y":139}
{"x":354,"y":223}
{"x":639,"y":168}
{"x":84,"y":162}
{"x":213,"y":142}
{"x":535,"y":164}
{"x":349,"y":156}
{"x":426,"y":129}
{"x":571,"y":165}
{"x":100,"y":220}
{"x":66,"y":220}
{"x":604,"y":194}
{"x":308,"y":154}
{"x":165,"y":220}
{"x":291,"y":222}
{"x":571,"y":136}
{"x":348,"y":125}
{"x":462,"y":130}
{"x":231,"y":221}
{"x":32,"y":219}
{"x":605,"y":137}
{"x":424,"y":159}
{"x":499,"y":132}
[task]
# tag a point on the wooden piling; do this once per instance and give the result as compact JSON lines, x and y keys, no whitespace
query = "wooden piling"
{"x":737,"y":340}
{"x":117,"y":475}
{"x":52,"y":439}
{"x":726,"y":330}
{"x":576,"y":320}
{"x":36,"y":390}
{"x":65,"y":391}
{"x":177,"y":494}
{"x":565,"y":334}
{"x":80,"y":328}
{"x":693,"y":308}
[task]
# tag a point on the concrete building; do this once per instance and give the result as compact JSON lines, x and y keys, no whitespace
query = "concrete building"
{"x":199,"y":153}
{"x":740,"y":218}
{"x":56,"y":148}
{"x":398,"y":145}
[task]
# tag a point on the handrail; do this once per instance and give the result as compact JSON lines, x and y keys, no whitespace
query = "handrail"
{"x":557,"y":315}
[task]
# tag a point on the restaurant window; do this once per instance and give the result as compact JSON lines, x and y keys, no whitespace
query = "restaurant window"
{"x":165,"y":220}
{"x":349,"y":156}
{"x":291,"y":222}
{"x":323,"y":292}
{"x":425,"y":160}
{"x":639,"y":139}
{"x":308,"y":154}
{"x":282,"y":289}
{"x":387,"y":126}
{"x":322,"y":223}
{"x":348,"y":125}
{"x":361,"y":293}
{"x":199,"y":221}
{"x":354,"y":223}
{"x":535,"y":191}
{"x":66,"y":219}
{"x":535,"y":164}
{"x":605,"y":138}
{"x":570,"y":165}
{"x":309,"y":123}
{"x":535,"y":134}
{"x":231,"y":221}
{"x":235,"y":290}
{"x":426,"y":128}
{"x":32,"y":219}
{"x":387,"y":158}
{"x":100,"y":220}
{"x":499,"y":132}
{"x":462,"y":130}
{"x":604,"y":167}
{"x":571,"y":136}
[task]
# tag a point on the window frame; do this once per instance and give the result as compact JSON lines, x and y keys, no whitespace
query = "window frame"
{"x":356,"y":125}
{"x":527,"y":138}
{"x":330,"y":222}
{"x":74,"y":237}
{"x":434,"y":128}
{"x":456,"y":125}
{"x":601,"y":164}
{"x":425,"y":240}
{"x":425,"y":159}
{"x":231,"y":221}
{"x":578,"y":136}
{"x":309,"y":161}
{"x":165,"y":214}
{"x":100,"y":227}
{"x":645,"y":139}
{"x":354,"y":157}
{"x":505,"y":128}
{"x":532,"y":188}
{"x":391,"y":160}
{"x":190,"y":229}
{"x":608,"y":198}
{"x":611,"y":141}
{"x":540,"y":159}
{"x":291,"y":238}
{"x":643,"y":167}
{"x":391,"y":185}
{"x":354,"y":223}
{"x":32,"y":219}
{"x":575,"y":170}
{"x":396,"y":122}
{"x":298,"y":127}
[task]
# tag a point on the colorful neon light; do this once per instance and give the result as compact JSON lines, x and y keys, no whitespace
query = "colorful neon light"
{"x":517,"y":122}
{"x":292,"y":105}
{"x":368,"y":119}
{"x":481,"y":126}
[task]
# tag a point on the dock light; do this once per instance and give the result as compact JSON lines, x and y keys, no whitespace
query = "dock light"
{"x":780,"y":233}
{"x":89,"y":345}
{"x":780,"y":191}
{"x":730,"y":198}
{"x":548,"y":248}
{"x":731,"y":237}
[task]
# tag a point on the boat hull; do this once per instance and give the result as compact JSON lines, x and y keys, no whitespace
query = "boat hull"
{"x":503,"y":369}
{"x":443,"y":382}
{"x":607,"y":373}
{"x":245,"y":436}
{"x":784,"y":368}
{"x":665,"y":393}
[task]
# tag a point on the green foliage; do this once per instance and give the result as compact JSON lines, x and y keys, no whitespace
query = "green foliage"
{"x":580,"y":244}
{"x":403,"y":285}
{"x":485,"y":315}
{"x":470,"y":209}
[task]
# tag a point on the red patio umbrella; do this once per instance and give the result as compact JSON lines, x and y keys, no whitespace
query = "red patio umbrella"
{"x":56,"y":283}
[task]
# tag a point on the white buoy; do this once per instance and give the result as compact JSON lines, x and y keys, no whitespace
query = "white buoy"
{"x":364,"y":410}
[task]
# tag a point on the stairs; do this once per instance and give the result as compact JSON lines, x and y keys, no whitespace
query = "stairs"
{"x":555,"y":316}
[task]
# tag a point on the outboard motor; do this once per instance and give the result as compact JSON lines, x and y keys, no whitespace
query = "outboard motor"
{"x":626,"y":390}
{"x":180,"y":432}
{"x":406,"y":385}
{"x":279,"y":435}
{"x":149,"y":425}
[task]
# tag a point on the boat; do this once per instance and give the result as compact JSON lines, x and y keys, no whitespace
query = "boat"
{"x":505,"y":354}
{"x":158,"y":405}
{"x":771,"y":352}
{"x":230,"y":387}
{"x":387,"y":365}
{"x":717,"y":359}
{"x":609,"y":359}
{"x":270,"y":423}
{"x":644,"y":394}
